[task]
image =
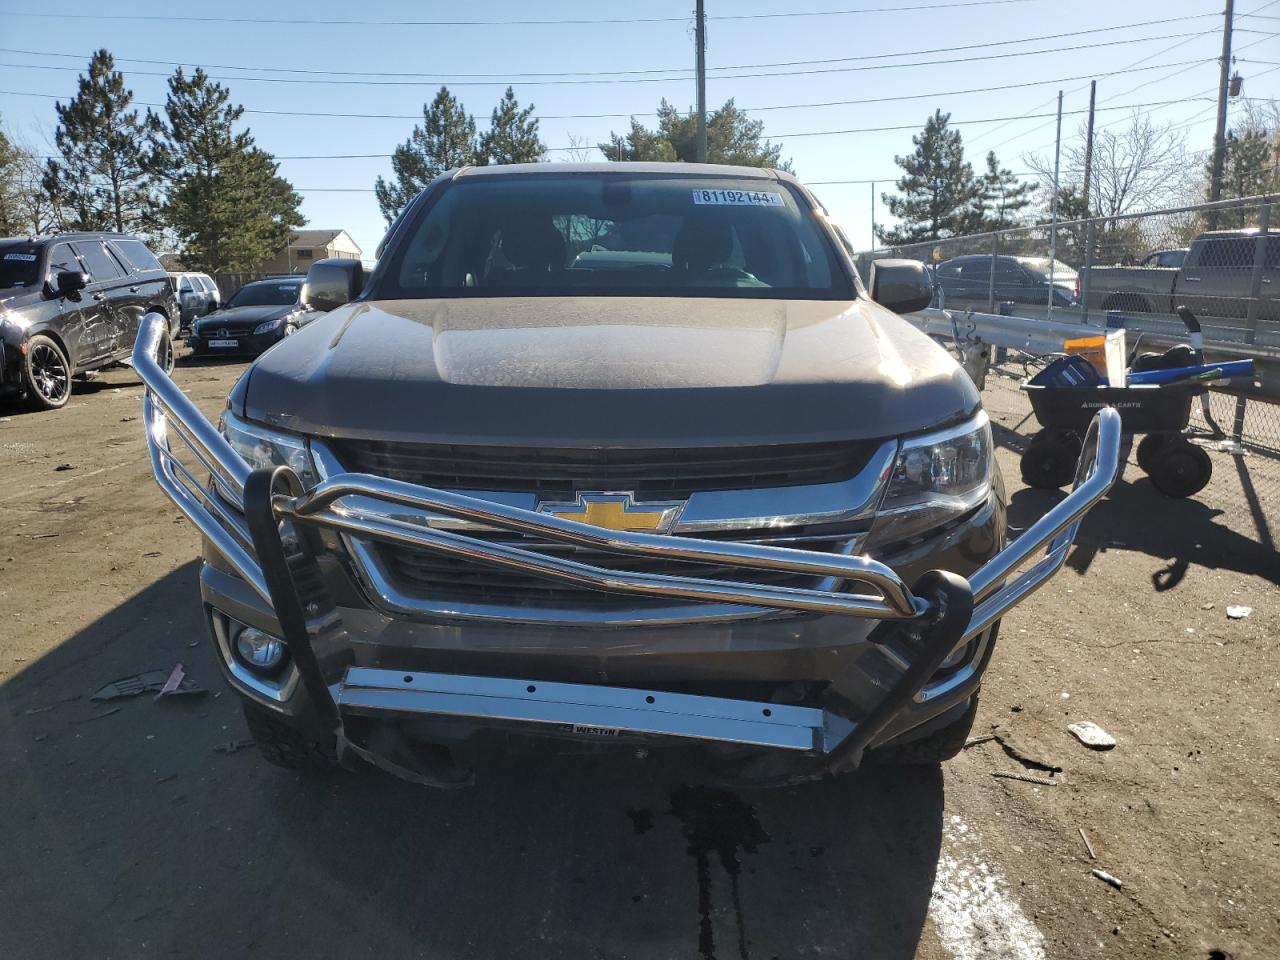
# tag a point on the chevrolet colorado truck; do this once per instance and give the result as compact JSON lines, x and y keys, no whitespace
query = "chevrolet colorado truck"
{"x":1214,"y":279}
{"x":624,"y":454}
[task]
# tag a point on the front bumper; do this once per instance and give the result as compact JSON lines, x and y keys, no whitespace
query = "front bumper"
{"x":247,"y":344}
{"x":277,"y":562}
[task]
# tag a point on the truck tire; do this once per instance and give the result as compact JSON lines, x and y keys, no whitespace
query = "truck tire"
{"x":937,"y":747}
{"x":284,"y":745}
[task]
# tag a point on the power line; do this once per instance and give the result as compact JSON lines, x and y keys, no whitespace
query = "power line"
{"x":1135,"y":63}
{"x":650,"y":113}
{"x":577,"y":21}
{"x":509,"y":77}
{"x":633,"y":80}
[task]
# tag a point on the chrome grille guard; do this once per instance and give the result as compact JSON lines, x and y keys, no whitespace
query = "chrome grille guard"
{"x":275,"y":551}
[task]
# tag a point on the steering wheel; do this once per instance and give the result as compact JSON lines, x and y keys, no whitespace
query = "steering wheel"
{"x":728,"y":271}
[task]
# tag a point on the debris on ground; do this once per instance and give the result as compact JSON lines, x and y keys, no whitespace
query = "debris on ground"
{"x":152,"y":681}
{"x":1238,"y":613}
{"x":1091,"y":735}
{"x":232,"y":746}
{"x":1013,"y":750}
{"x":152,"y":553}
{"x":1087,"y":845}
{"x":1043,"y":781}
{"x":166,"y":778}
{"x":99,"y":716}
{"x":63,"y":466}
{"x":1106,"y":878}
{"x":171,"y":685}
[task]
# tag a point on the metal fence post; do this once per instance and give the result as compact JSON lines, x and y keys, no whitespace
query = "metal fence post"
{"x":991,"y":280}
{"x":1090,"y":239}
{"x":1255,"y":295}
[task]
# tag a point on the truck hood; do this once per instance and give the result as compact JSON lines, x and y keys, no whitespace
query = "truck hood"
{"x":608,"y":371}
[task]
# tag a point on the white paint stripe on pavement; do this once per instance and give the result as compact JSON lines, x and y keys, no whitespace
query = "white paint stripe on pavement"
{"x":972,"y":911}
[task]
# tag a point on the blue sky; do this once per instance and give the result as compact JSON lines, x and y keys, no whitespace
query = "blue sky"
{"x":1182,"y":55}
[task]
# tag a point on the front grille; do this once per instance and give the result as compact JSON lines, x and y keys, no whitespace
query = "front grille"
{"x":555,"y":473}
{"x":432,"y":575}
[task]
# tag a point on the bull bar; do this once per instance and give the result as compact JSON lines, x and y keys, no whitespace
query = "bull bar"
{"x":275,"y":551}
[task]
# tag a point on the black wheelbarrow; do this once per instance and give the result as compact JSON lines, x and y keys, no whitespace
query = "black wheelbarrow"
{"x":1176,"y":466}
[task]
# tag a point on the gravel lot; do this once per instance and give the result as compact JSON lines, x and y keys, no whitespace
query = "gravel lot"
{"x":129,"y":833}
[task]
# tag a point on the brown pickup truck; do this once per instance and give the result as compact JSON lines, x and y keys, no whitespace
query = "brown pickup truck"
{"x":1214,"y":280}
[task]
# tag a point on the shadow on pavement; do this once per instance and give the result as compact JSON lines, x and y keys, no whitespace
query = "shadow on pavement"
{"x":1135,"y":516}
{"x":128,"y":832}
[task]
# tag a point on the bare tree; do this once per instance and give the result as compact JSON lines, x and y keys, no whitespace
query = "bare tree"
{"x":581,"y":149}
{"x":25,"y":207}
{"x":1142,"y":166}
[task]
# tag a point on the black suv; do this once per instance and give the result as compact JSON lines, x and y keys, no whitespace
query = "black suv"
{"x":71,"y":303}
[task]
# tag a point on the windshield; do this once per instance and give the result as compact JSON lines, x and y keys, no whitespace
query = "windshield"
{"x":1040,"y":267}
{"x":266,"y":295}
{"x":19,"y":265}
{"x":605,"y":234}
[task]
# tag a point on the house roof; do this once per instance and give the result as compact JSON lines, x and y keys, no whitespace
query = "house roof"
{"x":317,"y":238}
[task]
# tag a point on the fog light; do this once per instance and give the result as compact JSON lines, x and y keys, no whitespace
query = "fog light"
{"x":956,"y":657}
{"x":259,"y":651}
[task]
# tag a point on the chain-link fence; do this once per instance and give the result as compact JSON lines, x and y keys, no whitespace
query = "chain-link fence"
{"x":1221,"y":260}
{"x":1134,"y":271}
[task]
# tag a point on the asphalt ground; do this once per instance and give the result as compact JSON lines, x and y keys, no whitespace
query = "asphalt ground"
{"x":146,"y":828}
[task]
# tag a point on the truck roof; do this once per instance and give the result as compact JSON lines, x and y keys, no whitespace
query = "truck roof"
{"x":686,"y":169}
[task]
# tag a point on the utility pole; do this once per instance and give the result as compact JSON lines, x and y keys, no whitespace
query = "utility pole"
{"x":873,"y":214}
{"x":1220,"y":131}
{"x":1053,"y":206}
{"x":1088,"y":147}
{"x":700,"y":41}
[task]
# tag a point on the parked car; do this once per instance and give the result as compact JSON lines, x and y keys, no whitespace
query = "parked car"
{"x":1213,"y":280}
{"x":258,"y":315}
{"x":71,"y":303}
{"x":197,"y":295}
{"x":562,"y":496}
{"x":967,"y":280}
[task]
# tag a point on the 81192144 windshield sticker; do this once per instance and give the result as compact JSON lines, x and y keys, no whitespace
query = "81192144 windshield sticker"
{"x":737,"y":198}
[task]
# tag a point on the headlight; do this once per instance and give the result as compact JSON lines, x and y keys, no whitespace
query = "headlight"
{"x":937,"y":477}
{"x":260,"y":447}
{"x":268,"y":327}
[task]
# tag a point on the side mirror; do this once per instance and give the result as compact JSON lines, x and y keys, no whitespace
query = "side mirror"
{"x":902,"y":286}
{"x":331,"y":283}
{"x":69,"y":283}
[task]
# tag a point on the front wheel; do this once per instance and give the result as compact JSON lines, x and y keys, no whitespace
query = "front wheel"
{"x":937,"y":747}
{"x":47,"y":373}
{"x":282,"y":744}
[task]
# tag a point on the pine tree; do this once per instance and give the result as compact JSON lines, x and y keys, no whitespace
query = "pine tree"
{"x":732,"y":138}
{"x":446,"y":139}
{"x":102,"y":180}
{"x":512,"y":136}
{"x":939,"y":192}
{"x":223,"y":197}
{"x":1002,"y":198}
{"x":1248,"y":170}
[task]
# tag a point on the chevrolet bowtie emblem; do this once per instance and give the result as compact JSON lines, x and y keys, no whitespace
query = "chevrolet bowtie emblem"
{"x":617,"y":511}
